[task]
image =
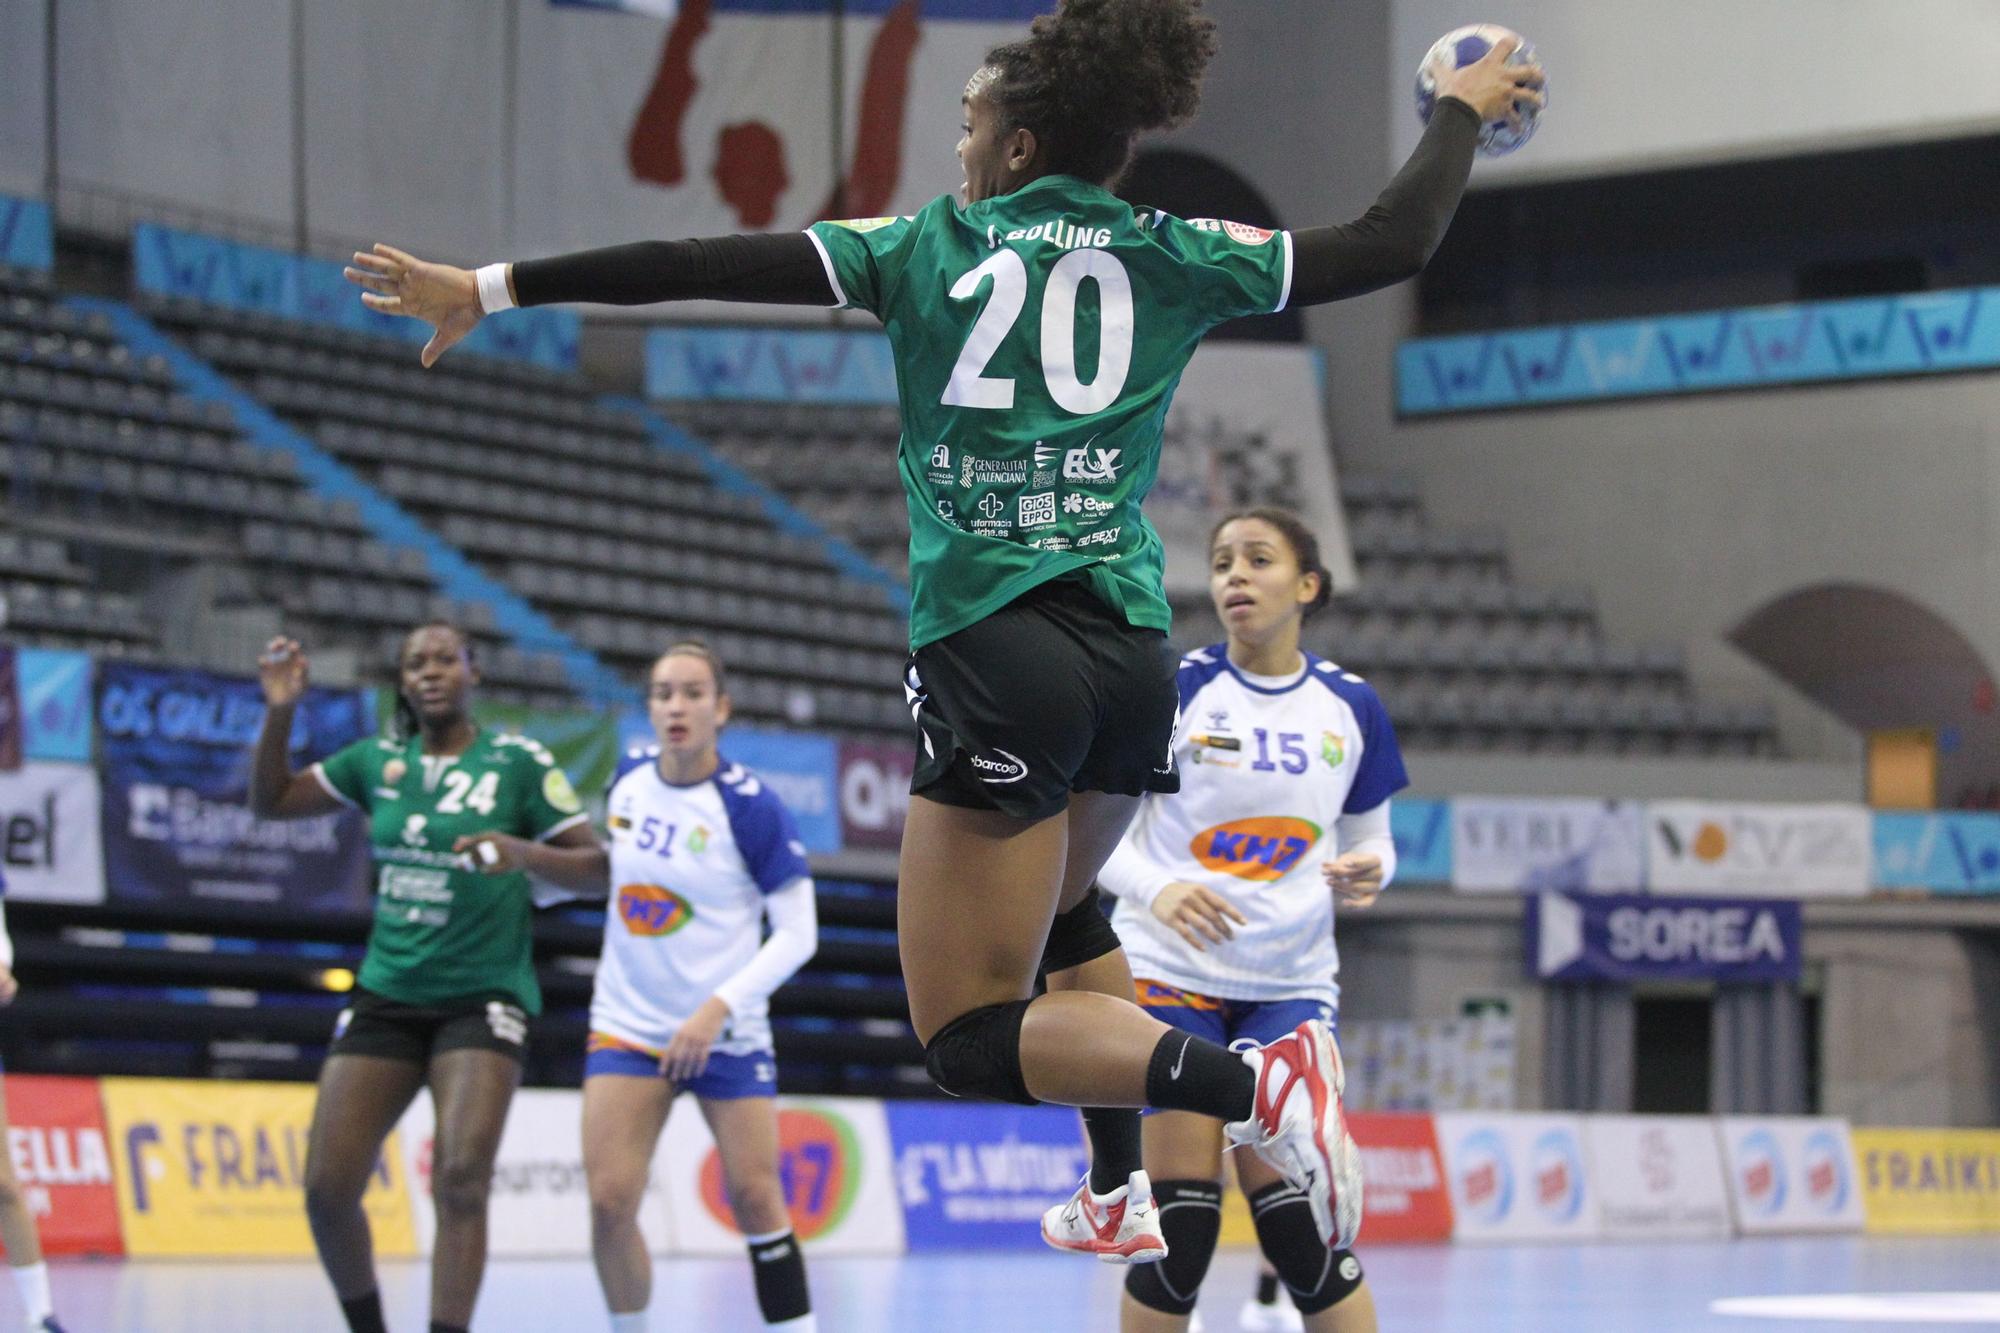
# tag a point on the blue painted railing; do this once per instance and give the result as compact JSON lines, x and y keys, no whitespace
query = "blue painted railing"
{"x":276,"y":282}
{"x":27,"y":234}
{"x":330,"y":479}
{"x":771,"y":365}
{"x":1923,"y":334}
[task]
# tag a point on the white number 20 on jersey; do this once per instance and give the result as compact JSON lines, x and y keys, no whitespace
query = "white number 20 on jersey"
{"x":971,"y":387}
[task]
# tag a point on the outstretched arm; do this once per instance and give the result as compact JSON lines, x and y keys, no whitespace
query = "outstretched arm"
{"x":781,"y":268}
{"x":1396,"y":237}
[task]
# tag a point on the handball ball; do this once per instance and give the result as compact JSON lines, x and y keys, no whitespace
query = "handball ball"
{"x":1464,"y":46}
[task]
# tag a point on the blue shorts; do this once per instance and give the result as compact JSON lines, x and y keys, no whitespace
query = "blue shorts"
{"x":727,"y":1078}
{"x":1224,"y":1021}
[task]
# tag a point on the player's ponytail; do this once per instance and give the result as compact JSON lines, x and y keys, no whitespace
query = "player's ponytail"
{"x":1305,"y":547}
{"x":1093,"y":76}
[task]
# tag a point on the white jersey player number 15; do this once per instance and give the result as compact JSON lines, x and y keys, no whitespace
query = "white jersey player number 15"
{"x":969,"y":385}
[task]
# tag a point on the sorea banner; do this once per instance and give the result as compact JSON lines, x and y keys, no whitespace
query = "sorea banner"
{"x":176,"y":770}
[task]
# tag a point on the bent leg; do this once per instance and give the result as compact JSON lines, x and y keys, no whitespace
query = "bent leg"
{"x":975,"y":898}
{"x":361,"y":1097}
{"x":472,"y":1089}
{"x":622,"y":1119}
{"x":1184,"y":1158}
{"x":746,"y":1138}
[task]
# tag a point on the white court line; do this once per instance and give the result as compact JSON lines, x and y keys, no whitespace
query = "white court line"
{"x":1915,"y":1307}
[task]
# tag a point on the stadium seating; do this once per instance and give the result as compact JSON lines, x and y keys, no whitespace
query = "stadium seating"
{"x":624,"y":545}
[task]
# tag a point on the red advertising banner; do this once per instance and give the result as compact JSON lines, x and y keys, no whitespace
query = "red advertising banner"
{"x":62,"y":1157}
{"x":1406,"y":1198}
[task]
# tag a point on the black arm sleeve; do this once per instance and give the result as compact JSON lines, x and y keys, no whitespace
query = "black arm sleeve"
{"x":1394,"y":239}
{"x":780,"y":268}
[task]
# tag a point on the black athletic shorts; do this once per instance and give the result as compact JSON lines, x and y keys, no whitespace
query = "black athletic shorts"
{"x":374,"y":1024}
{"x":1052,"y":693}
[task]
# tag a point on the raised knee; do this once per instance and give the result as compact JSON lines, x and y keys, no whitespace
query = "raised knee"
{"x":461,"y":1186}
{"x":978,"y":1055}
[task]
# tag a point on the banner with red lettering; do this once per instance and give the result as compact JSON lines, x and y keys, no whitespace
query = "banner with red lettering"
{"x":1405,"y":1198}
{"x":62,"y":1158}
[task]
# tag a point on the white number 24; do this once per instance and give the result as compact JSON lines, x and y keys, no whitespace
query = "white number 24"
{"x":971,"y":387}
{"x":459,"y":792}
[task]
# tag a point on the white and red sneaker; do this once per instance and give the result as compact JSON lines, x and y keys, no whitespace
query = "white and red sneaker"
{"x":1122,"y":1227}
{"x":1297,"y":1125}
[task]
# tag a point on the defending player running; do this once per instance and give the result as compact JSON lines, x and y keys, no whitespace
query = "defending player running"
{"x":447,"y":987}
{"x":702,"y":853}
{"x":1227,"y":892}
{"x":1039,"y":329}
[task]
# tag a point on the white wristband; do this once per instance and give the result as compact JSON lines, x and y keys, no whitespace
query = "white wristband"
{"x":493,"y":294}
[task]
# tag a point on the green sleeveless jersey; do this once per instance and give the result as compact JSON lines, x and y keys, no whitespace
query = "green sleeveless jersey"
{"x":1038,"y":339}
{"x":443,"y":932}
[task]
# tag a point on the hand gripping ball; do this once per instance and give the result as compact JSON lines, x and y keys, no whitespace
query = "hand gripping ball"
{"x":1461,"y":47}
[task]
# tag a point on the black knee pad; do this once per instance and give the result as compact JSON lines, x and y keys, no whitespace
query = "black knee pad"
{"x":1078,"y":936}
{"x":1191,"y":1220}
{"x":1317,"y":1277}
{"x":978,"y":1055}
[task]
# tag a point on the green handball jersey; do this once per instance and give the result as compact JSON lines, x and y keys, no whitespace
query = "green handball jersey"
{"x":1038,"y":339}
{"x":443,"y":932}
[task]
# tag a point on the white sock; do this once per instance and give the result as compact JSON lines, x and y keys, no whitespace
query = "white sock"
{"x":805,"y":1323}
{"x":629,"y":1323}
{"x":32,"y":1281}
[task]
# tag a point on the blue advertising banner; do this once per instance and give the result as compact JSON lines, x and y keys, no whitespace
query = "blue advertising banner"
{"x":1919,"y":334}
{"x":55,"y":704}
{"x":175,"y":769}
{"x":770,"y":365}
{"x":274,"y":282}
{"x":802,"y":768}
{"x":27,"y":236}
{"x":978,"y":1176}
{"x":1422,"y":829}
{"x":1631,"y":937}
{"x":1945,"y":852}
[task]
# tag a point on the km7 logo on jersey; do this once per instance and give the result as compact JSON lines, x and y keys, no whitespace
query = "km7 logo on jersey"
{"x":1265,"y":848}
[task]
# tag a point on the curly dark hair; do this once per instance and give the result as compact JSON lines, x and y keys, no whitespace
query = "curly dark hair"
{"x":1305,"y":546}
{"x":1096,"y":74}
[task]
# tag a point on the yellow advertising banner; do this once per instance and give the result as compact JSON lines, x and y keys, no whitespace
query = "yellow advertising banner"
{"x":1930,"y":1181}
{"x":215,"y":1169}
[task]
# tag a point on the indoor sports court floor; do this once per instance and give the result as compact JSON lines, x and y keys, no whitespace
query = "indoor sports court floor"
{"x":1832,"y":1286}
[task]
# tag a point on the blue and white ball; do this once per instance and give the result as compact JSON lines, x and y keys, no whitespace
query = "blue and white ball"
{"x":1465,"y":46}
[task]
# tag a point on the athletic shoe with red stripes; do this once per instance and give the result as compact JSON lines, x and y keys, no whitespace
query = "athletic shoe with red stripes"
{"x":1122,"y":1227}
{"x":1297,"y":1125}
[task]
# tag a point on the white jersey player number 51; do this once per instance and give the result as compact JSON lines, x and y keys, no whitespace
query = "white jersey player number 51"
{"x":969,"y":385}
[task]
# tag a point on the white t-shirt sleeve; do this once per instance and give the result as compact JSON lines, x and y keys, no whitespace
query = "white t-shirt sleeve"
{"x":794,"y":917}
{"x":1368,"y":831}
{"x":1130,"y":875}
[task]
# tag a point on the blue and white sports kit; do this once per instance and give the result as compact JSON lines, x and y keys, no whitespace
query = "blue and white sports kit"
{"x":694,"y":871}
{"x":1278,"y":776}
